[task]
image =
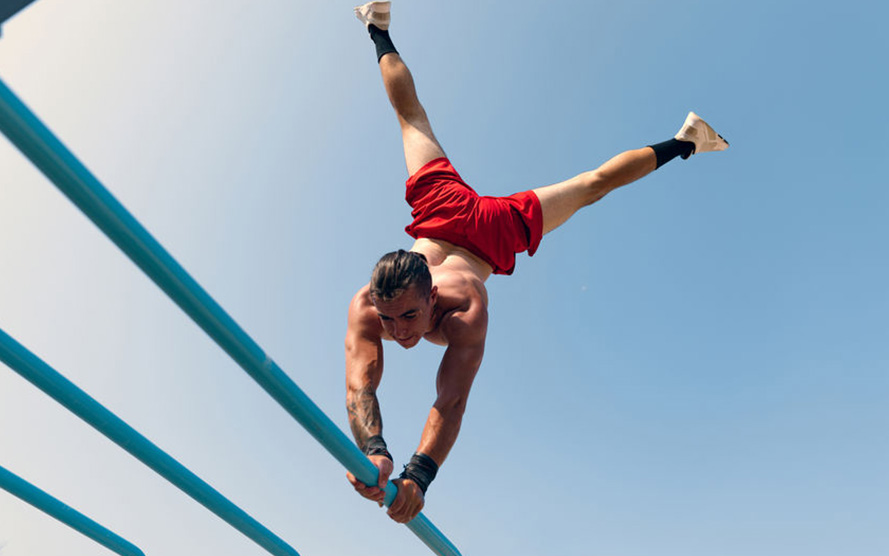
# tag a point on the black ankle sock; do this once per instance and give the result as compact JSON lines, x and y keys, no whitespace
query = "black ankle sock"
{"x":668,"y":150}
{"x":381,"y":40}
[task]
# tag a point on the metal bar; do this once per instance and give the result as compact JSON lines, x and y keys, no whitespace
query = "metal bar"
{"x":54,"y":507}
{"x":38,"y":143}
{"x":9,"y":8}
{"x":41,"y":375}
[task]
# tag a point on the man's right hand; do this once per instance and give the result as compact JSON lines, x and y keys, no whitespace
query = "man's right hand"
{"x":376,"y":493}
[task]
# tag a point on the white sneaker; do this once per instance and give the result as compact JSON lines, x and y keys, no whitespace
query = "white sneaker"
{"x":701,"y":134}
{"x":374,"y":13}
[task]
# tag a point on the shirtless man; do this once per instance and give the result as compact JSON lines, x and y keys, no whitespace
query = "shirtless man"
{"x":436,"y":290}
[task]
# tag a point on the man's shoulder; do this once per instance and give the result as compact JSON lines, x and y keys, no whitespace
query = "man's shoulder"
{"x":460,"y":288}
{"x":362,"y":313}
{"x":361,"y":300}
{"x":464,"y":303}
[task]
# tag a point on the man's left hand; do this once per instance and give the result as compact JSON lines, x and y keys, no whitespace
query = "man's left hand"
{"x":408,"y":502}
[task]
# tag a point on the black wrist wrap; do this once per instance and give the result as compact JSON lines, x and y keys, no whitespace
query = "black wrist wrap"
{"x":421,"y":470}
{"x":376,"y":446}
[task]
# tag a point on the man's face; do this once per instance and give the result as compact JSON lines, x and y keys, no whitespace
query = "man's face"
{"x":407,"y":317}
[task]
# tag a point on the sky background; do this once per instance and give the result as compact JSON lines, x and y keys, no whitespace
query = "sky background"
{"x":697,"y":365}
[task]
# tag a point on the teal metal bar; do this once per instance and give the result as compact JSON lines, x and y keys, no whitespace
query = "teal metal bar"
{"x":9,"y":8}
{"x":41,"y":375}
{"x":46,"y":152}
{"x":54,"y":507}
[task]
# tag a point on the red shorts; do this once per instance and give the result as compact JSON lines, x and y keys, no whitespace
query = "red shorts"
{"x":493,"y":228}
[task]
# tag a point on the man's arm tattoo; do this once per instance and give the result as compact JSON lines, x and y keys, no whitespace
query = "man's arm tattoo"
{"x":364,"y":415}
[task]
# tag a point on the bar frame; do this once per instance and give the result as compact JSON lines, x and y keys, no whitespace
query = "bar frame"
{"x":75,"y":181}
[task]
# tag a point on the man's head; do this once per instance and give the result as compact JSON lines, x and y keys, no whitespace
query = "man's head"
{"x":395,"y":272}
{"x":401,"y":290}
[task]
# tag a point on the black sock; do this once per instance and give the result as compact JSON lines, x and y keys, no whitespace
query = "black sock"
{"x":381,"y":40}
{"x":668,"y":150}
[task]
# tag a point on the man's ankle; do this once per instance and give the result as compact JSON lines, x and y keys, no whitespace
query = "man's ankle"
{"x":670,"y":149}
{"x":381,"y":40}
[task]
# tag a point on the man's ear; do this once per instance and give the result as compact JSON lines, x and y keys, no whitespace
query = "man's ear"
{"x":433,"y":294}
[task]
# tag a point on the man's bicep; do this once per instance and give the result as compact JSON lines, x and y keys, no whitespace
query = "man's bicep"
{"x":457,"y":372}
{"x":364,"y":349}
{"x":463,"y":357}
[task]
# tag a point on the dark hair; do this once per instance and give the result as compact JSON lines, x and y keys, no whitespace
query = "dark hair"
{"x":395,"y":272}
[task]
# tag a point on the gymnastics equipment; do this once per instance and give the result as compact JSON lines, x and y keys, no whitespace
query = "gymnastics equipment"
{"x":9,"y":8}
{"x":72,"y":178}
{"x":59,"y":388}
{"x":54,"y":507}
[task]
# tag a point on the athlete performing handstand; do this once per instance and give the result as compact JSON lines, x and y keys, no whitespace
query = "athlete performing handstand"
{"x":436,"y":290}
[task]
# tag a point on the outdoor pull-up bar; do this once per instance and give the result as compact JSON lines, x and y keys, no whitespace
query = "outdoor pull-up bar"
{"x":41,"y":375}
{"x":22,"y":489}
{"x":48,"y":153}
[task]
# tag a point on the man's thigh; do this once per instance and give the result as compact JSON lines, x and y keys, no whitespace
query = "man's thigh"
{"x":420,"y":145}
{"x":561,"y":200}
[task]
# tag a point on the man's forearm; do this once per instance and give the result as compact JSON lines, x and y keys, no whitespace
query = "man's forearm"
{"x":441,"y":430}
{"x":364,"y":414}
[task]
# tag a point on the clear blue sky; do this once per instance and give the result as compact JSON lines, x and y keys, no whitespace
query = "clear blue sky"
{"x":698,"y":365}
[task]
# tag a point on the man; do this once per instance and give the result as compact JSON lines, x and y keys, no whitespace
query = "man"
{"x":436,"y":290}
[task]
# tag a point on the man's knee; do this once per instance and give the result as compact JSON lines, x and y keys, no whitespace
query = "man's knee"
{"x":593,"y":185}
{"x":414,"y":118}
{"x":417,"y":130}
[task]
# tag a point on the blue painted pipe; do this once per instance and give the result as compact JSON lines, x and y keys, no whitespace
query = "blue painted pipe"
{"x":54,"y":507}
{"x":46,"y":152}
{"x":41,"y":375}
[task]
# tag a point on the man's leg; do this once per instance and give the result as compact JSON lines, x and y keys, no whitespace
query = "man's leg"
{"x":560,"y":201}
{"x":420,"y":144}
